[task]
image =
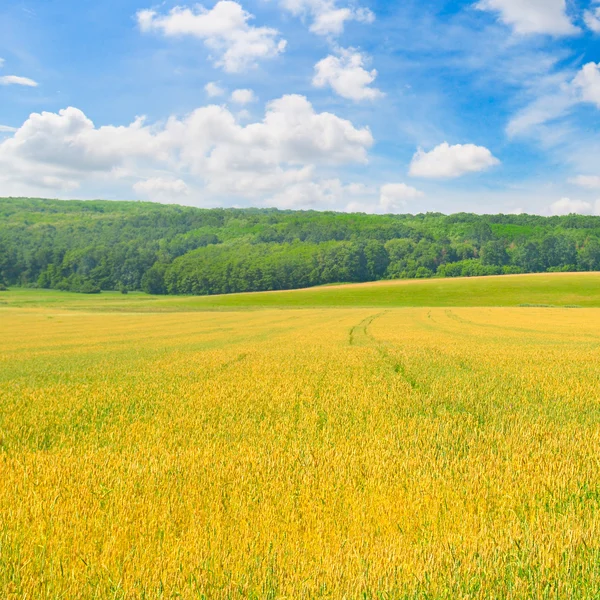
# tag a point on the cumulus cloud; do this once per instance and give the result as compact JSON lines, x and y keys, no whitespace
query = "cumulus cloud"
{"x":587,"y":83}
{"x":395,"y":196}
{"x":291,"y":138}
{"x":330,"y":193}
{"x":532,"y":16}
{"x":446,"y":161}
{"x":328,"y":18}
{"x":15,"y":80}
{"x":389,"y":198}
{"x":213,"y":90}
{"x":591,"y":182}
{"x":209,"y":145}
{"x":566,"y":206}
{"x":346,"y":75}
{"x":308,"y":194}
{"x":243,"y":96}
{"x":225,"y":30}
{"x":69,"y":140}
{"x":161,"y":189}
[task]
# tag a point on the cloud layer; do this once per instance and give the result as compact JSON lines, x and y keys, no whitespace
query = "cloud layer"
{"x":566,"y":206}
{"x":591,"y":182}
{"x":516,"y":75}
{"x":395,"y":196}
{"x":208,"y":146}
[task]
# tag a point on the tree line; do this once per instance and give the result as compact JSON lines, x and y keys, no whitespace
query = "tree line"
{"x":90,"y":246}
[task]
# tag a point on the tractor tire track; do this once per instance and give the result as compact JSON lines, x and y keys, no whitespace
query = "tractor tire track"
{"x":359,"y":335}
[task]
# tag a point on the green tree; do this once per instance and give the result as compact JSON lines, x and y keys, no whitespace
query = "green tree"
{"x":588,"y":258}
{"x":89,"y":287}
{"x":558,"y":251}
{"x":376,"y":260}
{"x":528,"y":257}
{"x":494,"y":253}
{"x":153,"y":280}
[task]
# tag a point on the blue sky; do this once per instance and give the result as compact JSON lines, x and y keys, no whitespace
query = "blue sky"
{"x":366,"y":105}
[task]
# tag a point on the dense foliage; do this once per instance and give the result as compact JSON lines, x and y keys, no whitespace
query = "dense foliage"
{"x":89,"y":246}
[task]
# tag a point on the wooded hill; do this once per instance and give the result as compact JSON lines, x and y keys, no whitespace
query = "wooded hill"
{"x":88,"y":246}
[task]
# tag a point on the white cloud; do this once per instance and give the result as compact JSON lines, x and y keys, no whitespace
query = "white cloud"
{"x":279,"y":151}
{"x":213,"y":90}
{"x":566,"y":206}
{"x":446,"y":161}
{"x":308,"y":194}
{"x":592,"y":19}
{"x":389,"y":198}
{"x":328,"y":18}
{"x":58,"y":183}
{"x":225,"y":30}
{"x":591,"y":182}
{"x":161,"y":189}
{"x":243,"y":96}
{"x":532,"y":16}
{"x":587,"y":82}
{"x":7,"y":129}
{"x":70,"y":141}
{"x":208,"y":146}
{"x":544,"y":109}
{"x":328,"y":194}
{"x":346,"y":75}
{"x":563,"y":92}
{"x":394,"y":196}
{"x":15,"y":80}
{"x":358,"y":189}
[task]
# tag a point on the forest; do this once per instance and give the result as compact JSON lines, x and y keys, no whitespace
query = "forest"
{"x":91,"y":246}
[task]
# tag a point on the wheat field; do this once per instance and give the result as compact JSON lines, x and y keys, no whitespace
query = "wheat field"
{"x":318,"y":453}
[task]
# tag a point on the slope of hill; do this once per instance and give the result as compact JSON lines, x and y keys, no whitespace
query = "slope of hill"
{"x":543,"y":289}
{"x":89,"y":246}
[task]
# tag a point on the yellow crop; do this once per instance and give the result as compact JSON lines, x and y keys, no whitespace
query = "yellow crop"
{"x":341,"y":453}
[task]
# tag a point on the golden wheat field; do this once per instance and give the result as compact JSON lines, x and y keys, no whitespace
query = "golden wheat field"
{"x":330,"y":453}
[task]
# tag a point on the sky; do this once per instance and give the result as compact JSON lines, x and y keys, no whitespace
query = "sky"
{"x":486,"y":106}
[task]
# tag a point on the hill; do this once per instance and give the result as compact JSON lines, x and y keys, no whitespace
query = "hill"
{"x":91,"y":246}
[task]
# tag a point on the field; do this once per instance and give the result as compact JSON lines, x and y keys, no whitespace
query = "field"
{"x":556,"y":289}
{"x":160,"y":448}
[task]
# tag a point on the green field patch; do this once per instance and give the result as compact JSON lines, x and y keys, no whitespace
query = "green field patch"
{"x":567,"y":290}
